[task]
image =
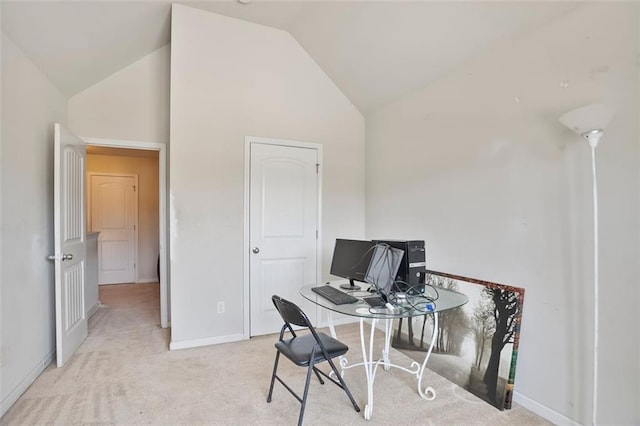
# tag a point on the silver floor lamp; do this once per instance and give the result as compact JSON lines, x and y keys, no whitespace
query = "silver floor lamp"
{"x":589,"y":122}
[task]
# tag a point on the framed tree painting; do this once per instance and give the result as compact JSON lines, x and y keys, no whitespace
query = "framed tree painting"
{"x":477,"y":344}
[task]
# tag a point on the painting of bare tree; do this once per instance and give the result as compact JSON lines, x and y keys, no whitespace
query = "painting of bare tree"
{"x":477,"y":344}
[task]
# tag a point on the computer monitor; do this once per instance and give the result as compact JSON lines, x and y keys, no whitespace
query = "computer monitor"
{"x":413,"y":267}
{"x":351,"y":259}
{"x":383,"y":268}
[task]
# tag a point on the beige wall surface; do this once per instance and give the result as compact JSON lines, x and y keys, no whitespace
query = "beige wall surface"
{"x":30,"y":107}
{"x":132,"y":104}
{"x":147,"y":170}
{"x":258,"y":82}
{"x":501,"y":191}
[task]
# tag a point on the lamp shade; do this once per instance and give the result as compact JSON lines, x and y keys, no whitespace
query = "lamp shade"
{"x":587,"y":118}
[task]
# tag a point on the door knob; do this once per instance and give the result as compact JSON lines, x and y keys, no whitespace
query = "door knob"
{"x":58,"y":257}
{"x":256,"y":250}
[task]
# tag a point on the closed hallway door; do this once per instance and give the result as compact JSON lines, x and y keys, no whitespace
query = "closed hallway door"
{"x":113,"y":213}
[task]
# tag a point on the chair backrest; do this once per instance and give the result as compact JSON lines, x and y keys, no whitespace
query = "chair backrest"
{"x":290,"y":312}
{"x":293,"y":315}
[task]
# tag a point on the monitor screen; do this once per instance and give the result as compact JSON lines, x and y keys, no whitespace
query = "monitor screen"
{"x":383,"y":268}
{"x":351,"y":259}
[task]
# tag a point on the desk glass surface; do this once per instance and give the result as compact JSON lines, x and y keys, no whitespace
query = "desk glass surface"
{"x":443,"y":299}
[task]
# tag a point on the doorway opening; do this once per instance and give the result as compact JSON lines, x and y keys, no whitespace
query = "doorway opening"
{"x":126,"y":204}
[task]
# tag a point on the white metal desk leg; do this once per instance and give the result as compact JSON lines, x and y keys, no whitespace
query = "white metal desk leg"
{"x":387,"y":343}
{"x":332,"y":329}
{"x":342,"y":359}
{"x":429,"y":393}
{"x":368,"y":366}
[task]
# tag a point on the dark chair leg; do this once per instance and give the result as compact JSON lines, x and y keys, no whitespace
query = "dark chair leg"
{"x":273,"y":376}
{"x":344,"y":385}
{"x":306,"y":391}
{"x":315,"y":370}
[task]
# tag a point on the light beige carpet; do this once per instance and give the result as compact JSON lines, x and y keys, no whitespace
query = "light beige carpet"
{"x":124,"y":374}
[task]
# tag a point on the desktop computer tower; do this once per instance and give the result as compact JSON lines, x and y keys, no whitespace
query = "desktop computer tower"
{"x":411,"y":274}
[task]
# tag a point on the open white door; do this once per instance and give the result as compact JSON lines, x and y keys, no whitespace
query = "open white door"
{"x":69,"y":242}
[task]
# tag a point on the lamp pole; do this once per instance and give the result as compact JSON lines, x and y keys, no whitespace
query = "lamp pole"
{"x":593,"y":137}
{"x":589,"y":122}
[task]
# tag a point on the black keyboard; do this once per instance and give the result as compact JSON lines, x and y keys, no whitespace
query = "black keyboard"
{"x":334,"y":295}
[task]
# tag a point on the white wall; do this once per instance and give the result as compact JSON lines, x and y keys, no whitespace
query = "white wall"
{"x":146,"y":167}
{"x":30,"y":106}
{"x":501,"y":191}
{"x":132,"y":104}
{"x":231,"y":79}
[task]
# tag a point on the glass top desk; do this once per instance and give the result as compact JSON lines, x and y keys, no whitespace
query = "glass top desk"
{"x":433,"y":302}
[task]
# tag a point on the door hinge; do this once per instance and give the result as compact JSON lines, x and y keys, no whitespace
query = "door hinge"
{"x":317,"y":168}
{"x":134,"y":188}
{"x":134,"y":227}
{"x":316,"y":234}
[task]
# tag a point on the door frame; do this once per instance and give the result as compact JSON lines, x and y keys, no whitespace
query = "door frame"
{"x":165,"y":314}
{"x":135,"y":213}
{"x":248,"y":141}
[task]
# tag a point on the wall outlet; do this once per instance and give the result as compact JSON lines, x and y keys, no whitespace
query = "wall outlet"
{"x":221,"y":307}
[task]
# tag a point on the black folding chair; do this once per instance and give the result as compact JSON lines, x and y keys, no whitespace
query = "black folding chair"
{"x":306,"y":351}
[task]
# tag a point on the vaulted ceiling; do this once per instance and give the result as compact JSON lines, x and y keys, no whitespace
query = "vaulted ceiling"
{"x":375,"y":51}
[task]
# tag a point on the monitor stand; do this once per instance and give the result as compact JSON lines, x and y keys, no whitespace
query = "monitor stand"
{"x":350,"y":286}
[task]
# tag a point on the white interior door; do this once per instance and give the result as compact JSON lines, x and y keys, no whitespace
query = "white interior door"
{"x":69,"y":242}
{"x":283,"y":227}
{"x":113,"y":209}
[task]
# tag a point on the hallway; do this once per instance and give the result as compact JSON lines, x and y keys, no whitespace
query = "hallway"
{"x":126,"y":308}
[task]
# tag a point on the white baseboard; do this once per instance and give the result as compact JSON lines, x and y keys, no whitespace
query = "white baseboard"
{"x":196,"y":343}
{"x":146,"y":280}
{"x":543,"y":411}
{"x":26,"y":382}
{"x":93,"y":309}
